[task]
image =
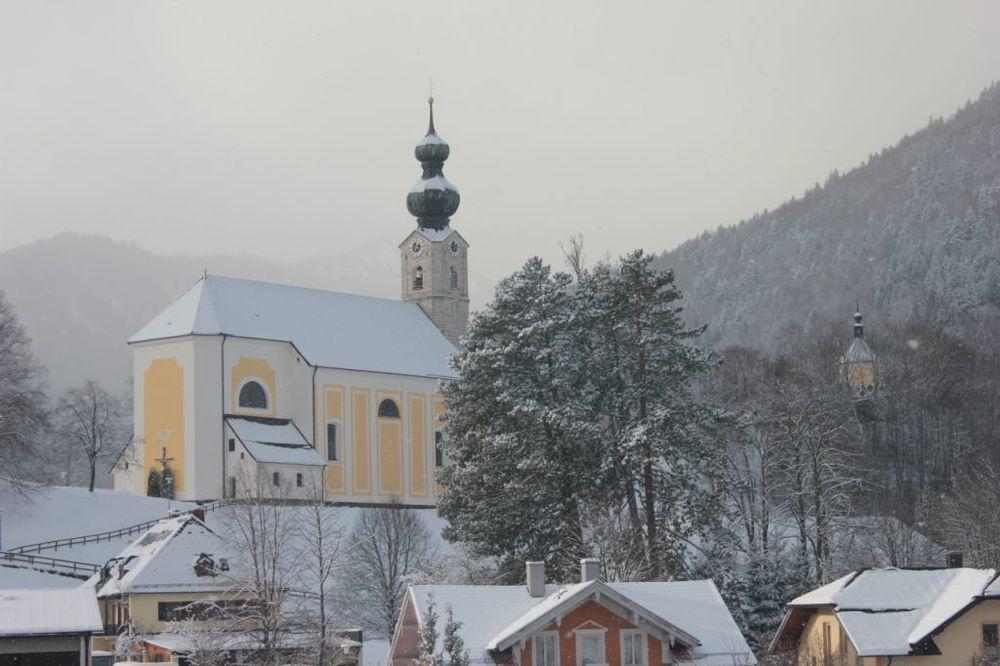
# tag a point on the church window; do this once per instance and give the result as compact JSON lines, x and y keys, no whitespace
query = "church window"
{"x":332,"y":445}
{"x":276,"y":479}
{"x":232,"y":444}
{"x":298,"y":479}
{"x":253,"y":396}
{"x":439,"y":449}
{"x":453,"y":278}
{"x":418,"y":278}
{"x":388,"y":409}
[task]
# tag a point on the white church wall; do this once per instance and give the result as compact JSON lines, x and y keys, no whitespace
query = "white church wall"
{"x":207,"y":444}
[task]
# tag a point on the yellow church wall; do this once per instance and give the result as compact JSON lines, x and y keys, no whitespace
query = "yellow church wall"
{"x":336,"y":481}
{"x":360,"y":421}
{"x":418,"y":445}
{"x":258,"y":369}
{"x":438,"y":425}
{"x":390,"y":446}
{"x":163,"y":418}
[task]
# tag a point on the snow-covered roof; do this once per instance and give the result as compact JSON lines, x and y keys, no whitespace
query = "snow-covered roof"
{"x":886,"y":612}
{"x":330,"y":329}
{"x":38,"y":612}
{"x":274,"y":441}
{"x":163,"y":560}
{"x":491,"y":613}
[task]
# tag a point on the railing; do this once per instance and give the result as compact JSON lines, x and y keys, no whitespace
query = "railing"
{"x":83,"y":570}
{"x":56,"y":544}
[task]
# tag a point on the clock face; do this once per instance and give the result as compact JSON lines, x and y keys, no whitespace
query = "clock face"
{"x":455,"y":248}
{"x":416,"y":248}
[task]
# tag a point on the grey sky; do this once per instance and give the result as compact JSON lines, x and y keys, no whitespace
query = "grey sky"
{"x":287,"y":128}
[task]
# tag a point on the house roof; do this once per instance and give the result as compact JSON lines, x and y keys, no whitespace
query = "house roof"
{"x":328,"y":328}
{"x":47,"y":612}
{"x":493,"y":614}
{"x":274,"y":441}
{"x":163,"y":560}
{"x":890,"y":611}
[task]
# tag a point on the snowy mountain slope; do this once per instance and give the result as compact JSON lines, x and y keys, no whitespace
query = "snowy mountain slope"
{"x":918,"y":223}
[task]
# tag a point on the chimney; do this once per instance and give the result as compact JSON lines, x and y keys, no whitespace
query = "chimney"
{"x":536,"y":578}
{"x":955,"y":560}
{"x":199,"y":513}
{"x":590,"y":569}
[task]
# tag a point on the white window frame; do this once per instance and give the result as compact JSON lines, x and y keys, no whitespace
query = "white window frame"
{"x":339,"y":448}
{"x":645,"y":644}
{"x":588,"y":633}
{"x":267,"y":395}
{"x":554,"y":635}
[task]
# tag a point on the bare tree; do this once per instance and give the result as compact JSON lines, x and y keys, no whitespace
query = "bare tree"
{"x":262,"y":531}
{"x":207,"y":642}
{"x":389,"y":546}
{"x":23,"y":417}
{"x":320,"y":549}
{"x":94,"y":423}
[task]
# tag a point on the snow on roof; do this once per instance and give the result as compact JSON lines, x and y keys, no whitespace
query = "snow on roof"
{"x":433,"y":183}
{"x":328,"y":328}
{"x":432,"y":139}
{"x":490,"y":612}
{"x":274,"y":441}
{"x":22,"y":577}
{"x":36,"y":612}
{"x":163,"y":560}
{"x":887,"y":611}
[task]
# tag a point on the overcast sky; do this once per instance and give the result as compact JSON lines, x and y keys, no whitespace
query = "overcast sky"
{"x":287,"y":128}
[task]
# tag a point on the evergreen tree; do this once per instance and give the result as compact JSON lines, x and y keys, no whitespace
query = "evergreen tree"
{"x":167,"y":484}
{"x":454,"y":646}
{"x":154,"y":486}
{"x":427,"y":653}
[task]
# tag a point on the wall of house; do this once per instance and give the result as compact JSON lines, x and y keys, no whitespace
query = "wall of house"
{"x":810,"y":647}
{"x":961,"y":640}
{"x":593,"y":616}
{"x":143,"y":608}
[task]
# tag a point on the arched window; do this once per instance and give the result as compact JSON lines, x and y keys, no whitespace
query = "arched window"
{"x":332,"y":444}
{"x":453,"y":278}
{"x":253,"y":396}
{"x":387,"y":409}
{"x":439,"y":449}
{"x":418,"y":278}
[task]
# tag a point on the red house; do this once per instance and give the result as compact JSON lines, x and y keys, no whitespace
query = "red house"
{"x":590,"y":623}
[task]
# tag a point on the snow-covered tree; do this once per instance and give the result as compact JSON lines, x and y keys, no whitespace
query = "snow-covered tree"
{"x":154,"y":483}
{"x":427,"y":652}
{"x":452,"y":642}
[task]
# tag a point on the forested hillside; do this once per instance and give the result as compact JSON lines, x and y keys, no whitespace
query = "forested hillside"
{"x":917,"y":224}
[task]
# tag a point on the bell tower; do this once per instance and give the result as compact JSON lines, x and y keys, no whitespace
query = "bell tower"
{"x":434,"y":257}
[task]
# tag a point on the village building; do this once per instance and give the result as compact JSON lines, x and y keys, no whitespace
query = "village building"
{"x":47,"y":627}
{"x":177,"y":569}
{"x":244,"y":387}
{"x":587,"y":623}
{"x":874,"y":617}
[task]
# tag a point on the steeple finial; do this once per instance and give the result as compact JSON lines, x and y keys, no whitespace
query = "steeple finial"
{"x":430,"y":126}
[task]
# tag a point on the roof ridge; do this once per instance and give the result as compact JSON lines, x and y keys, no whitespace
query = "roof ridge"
{"x":285,"y":285}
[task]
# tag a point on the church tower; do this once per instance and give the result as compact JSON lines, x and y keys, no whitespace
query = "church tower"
{"x":858,"y":365}
{"x":434,"y":257}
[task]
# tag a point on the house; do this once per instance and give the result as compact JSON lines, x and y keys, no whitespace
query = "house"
{"x":874,"y":617}
{"x":238,"y":648}
{"x":587,"y":623}
{"x":47,"y":627}
{"x":178,"y":568}
{"x":244,"y":386}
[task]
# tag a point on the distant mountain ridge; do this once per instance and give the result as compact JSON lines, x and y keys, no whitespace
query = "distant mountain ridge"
{"x":917,"y":225}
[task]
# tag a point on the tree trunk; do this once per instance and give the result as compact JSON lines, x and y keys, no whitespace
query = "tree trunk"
{"x":93,"y":473}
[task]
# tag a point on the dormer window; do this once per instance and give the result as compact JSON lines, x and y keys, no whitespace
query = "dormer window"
{"x":418,"y":278}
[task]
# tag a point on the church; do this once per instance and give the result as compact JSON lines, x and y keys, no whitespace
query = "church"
{"x":245,"y":387}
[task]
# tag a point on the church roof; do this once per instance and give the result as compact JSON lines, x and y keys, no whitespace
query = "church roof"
{"x":329,"y":329}
{"x":274,"y":441}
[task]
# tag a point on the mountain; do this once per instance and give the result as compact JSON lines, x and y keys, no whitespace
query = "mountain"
{"x":915,"y":229}
{"x":81,"y":297}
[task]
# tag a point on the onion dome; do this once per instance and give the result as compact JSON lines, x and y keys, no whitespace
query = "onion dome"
{"x":432,"y":200}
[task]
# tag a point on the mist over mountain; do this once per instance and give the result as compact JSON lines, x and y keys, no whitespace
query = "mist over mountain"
{"x":916,"y":228}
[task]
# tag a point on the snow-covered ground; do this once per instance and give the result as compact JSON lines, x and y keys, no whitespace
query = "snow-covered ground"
{"x":60,"y":512}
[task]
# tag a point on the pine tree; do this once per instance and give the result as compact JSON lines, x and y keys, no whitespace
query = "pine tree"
{"x":167,"y":484}
{"x":454,"y":646}
{"x":154,"y":486}
{"x":427,"y":649}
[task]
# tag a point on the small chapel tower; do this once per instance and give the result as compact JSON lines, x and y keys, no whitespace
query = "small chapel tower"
{"x":434,"y":257}
{"x":858,"y":365}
